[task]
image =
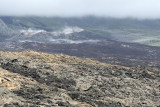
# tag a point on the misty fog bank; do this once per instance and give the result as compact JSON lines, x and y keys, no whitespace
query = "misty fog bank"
{"x":78,"y":8}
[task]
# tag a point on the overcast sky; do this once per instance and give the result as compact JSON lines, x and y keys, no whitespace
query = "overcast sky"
{"x":67,"y":8}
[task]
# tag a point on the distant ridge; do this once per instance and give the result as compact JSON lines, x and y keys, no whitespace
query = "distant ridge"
{"x":5,"y":31}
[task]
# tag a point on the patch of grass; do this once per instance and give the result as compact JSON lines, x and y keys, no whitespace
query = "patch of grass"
{"x":152,"y":42}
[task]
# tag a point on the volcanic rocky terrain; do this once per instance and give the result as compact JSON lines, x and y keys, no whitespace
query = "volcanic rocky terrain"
{"x":39,"y":79}
{"x":81,"y":38}
{"x":128,"y":73}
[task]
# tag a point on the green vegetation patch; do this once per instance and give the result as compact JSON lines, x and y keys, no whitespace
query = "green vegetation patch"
{"x":152,"y":42}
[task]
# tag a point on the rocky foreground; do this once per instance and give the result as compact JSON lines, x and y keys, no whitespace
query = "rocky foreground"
{"x":39,"y":79}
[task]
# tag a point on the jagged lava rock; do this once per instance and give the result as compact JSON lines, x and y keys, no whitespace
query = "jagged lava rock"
{"x":39,"y":79}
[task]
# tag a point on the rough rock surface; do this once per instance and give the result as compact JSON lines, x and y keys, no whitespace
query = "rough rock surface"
{"x":39,"y":79}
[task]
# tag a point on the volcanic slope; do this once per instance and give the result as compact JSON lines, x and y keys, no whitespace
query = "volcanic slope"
{"x":39,"y":79}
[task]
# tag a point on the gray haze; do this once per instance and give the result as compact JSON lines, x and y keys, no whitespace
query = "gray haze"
{"x":69,"y":8}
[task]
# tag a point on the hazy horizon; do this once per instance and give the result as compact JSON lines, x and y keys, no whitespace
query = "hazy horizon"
{"x":144,"y":9}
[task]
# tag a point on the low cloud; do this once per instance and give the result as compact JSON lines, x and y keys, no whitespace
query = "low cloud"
{"x":76,"y":8}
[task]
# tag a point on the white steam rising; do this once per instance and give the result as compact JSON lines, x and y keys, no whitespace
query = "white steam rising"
{"x":68,"y":30}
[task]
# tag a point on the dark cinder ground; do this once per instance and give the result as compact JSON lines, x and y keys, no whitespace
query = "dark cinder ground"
{"x":46,"y":80}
